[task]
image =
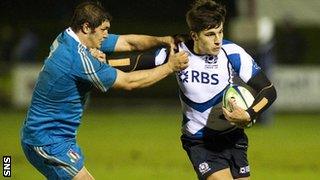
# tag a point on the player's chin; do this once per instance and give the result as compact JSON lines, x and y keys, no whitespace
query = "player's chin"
{"x":215,"y":52}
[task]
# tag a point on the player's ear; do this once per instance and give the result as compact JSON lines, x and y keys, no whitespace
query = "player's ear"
{"x":194,"y":35}
{"x":86,"y":28}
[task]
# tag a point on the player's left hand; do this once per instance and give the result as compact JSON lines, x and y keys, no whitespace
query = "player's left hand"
{"x":98,"y":54}
{"x":237,"y":116}
{"x":178,"y":61}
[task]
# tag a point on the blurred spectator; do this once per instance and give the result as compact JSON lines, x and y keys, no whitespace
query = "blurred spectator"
{"x":292,"y":43}
{"x":26,"y":49}
{"x":232,"y":7}
{"x":6,"y":47}
{"x":7,"y":40}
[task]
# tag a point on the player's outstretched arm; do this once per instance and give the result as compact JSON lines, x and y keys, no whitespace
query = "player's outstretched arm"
{"x":134,"y":42}
{"x":148,"y":59}
{"x":145,"y":78}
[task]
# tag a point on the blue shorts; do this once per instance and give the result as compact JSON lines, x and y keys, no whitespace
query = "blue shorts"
{"x":215,"y":152}
{"x":55,"y":161}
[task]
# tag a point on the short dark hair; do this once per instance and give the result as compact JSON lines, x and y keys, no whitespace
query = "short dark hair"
{"x":91,"y":12}
{"x":205,"y":14}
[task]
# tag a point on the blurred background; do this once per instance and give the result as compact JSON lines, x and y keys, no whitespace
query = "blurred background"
{"x":143,"y":126}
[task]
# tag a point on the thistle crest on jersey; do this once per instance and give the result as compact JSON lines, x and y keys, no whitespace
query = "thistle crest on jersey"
{"x":211,"y":62}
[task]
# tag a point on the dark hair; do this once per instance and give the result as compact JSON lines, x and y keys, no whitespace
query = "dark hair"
{"x":205,"y":14}
{"x":90,"y":12}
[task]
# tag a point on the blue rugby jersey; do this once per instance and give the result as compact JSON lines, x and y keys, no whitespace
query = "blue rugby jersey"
{"x":59,"y":96}
{"x":202,"y":84}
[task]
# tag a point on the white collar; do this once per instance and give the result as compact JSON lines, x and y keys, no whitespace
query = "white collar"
{"x":74,"y":35}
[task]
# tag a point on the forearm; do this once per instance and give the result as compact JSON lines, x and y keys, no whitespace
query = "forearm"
{"x":265,"y":97}
{"x":145,"y":42}
{"x":144,"y":78}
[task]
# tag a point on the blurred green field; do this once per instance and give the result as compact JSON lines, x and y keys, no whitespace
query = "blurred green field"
{"x":144,"y":144}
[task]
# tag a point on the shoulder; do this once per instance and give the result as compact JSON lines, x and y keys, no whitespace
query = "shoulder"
{"x":66,"y":50}
{"x":231,"y":47}
{"x":112,"y":38}
{"x":235,"y":53}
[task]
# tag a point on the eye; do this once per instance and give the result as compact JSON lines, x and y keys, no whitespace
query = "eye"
{"x":211,"y":34}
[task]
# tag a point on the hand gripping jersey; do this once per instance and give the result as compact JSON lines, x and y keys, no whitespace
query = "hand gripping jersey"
{"x":59,"y":96}
{"x":203,"y":82}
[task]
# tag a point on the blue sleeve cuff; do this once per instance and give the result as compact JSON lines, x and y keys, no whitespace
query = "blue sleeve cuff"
{"x":109,"y":44}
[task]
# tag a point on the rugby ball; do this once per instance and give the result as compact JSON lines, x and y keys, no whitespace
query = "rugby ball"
{"x":241,"y":95}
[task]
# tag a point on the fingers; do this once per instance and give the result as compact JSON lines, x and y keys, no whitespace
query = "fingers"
{"x":173,"y":48}
{"x":184,"y":60}
{"x":178,"y":38}
{"x":232,"y":103}
{"x":94,"y":51}
{"x":169,"y":41}
{"x":226,"y":113}
{"x":237,"y":115}
{"x":179,"y":61}
{"x":98,"y":54}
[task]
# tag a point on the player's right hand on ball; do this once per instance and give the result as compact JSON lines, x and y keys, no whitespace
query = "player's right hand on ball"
{"x":178,"y":61}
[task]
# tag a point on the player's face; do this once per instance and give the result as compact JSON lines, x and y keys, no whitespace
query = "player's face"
{"x":99,"y":34}
{"x":208,"y":41}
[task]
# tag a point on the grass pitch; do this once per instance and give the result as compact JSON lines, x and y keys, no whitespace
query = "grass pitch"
{"x":144,"y":144}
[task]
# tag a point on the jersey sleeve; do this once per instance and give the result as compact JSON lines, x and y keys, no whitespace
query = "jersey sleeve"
{"x":145,"y":60}
{"x":243,"y":64}
{"x":109,"y":43}
{"x":101,"y":75}
{"x":161,"y":56}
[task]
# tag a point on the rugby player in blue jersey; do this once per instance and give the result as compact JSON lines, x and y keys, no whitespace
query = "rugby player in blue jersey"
{"x":48,"y":136}
{"x":213,"y":137}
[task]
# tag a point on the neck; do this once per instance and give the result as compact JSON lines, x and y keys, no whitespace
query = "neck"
{"x":196,"y":49}
{"x":82,"y":38}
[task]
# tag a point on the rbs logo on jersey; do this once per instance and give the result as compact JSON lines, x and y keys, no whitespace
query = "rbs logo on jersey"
{"x":198,"y":77}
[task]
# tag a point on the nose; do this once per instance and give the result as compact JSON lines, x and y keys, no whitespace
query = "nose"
{"x":217,"y":40}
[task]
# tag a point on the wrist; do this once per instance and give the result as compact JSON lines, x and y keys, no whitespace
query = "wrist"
{"x":248,"y":116}
{"x":167,"y":40}
{"x":168,"y":67}
{"x":251,"y":113}
{"x":253,"y":117}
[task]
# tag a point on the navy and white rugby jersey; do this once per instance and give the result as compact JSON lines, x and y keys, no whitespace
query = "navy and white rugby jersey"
{"x":203,"y":82}
{"x":59,"y":96}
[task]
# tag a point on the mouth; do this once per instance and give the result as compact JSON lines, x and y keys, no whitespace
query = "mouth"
{"x":216,"y":49}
